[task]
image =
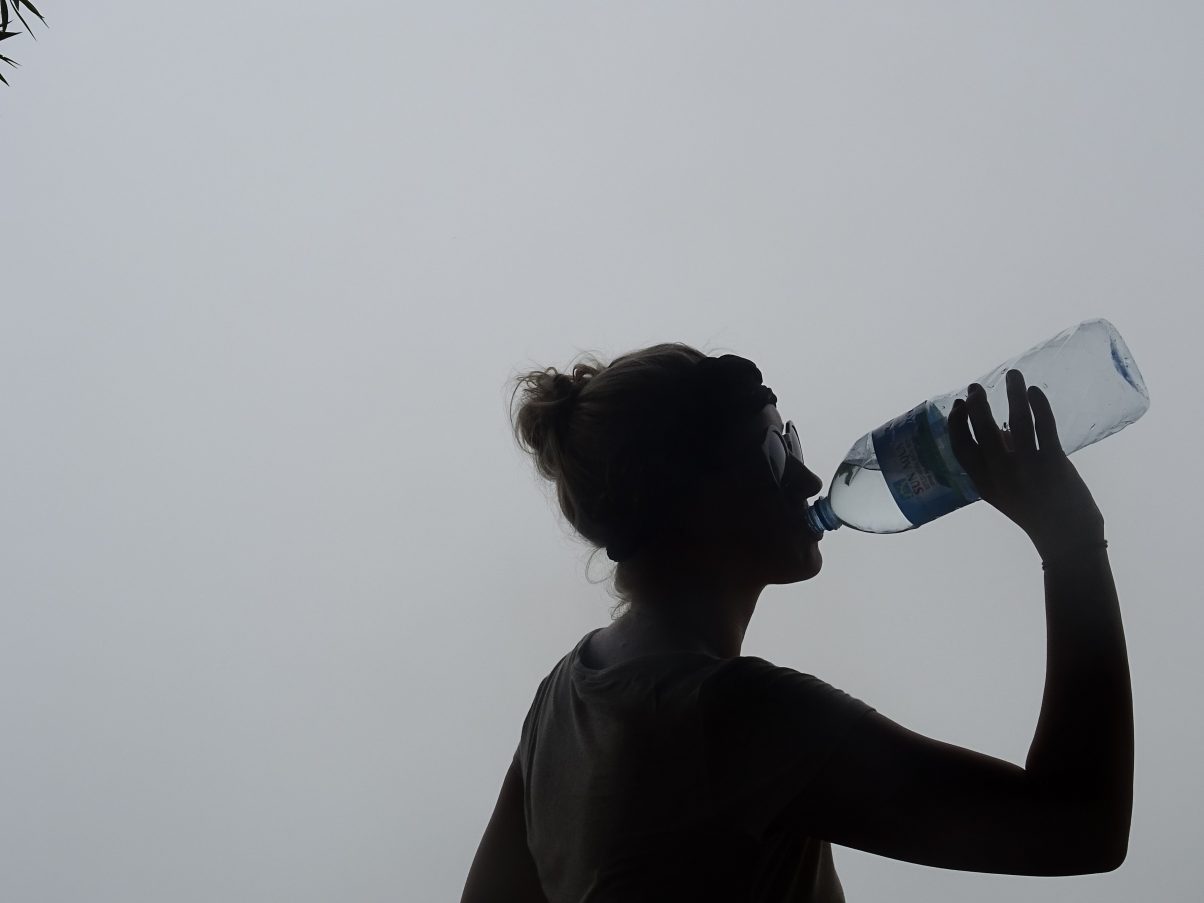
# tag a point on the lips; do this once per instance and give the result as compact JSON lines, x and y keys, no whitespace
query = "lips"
{"x":797,"y":509}
{"x":806,"y":526}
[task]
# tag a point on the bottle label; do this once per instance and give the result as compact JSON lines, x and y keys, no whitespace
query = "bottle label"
{"x":918,"y":465}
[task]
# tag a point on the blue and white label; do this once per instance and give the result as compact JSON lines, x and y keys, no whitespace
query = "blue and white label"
{"x":917,"y":463}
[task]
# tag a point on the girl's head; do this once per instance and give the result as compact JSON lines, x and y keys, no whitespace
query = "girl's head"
{"x":662,"y":460}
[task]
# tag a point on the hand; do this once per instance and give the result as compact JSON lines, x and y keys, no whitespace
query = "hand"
{"x":1038,"y":489}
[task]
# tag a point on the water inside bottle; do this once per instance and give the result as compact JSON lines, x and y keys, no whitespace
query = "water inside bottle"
{"x":859,"y":486}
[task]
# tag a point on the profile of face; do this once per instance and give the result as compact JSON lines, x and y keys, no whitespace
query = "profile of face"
{"x":744,"y":516}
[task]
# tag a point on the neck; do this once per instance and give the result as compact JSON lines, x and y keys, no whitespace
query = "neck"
{"x":711,"y":617}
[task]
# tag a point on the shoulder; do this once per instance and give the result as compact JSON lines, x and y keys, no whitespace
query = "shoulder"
{"x":749,"y":673}
{"x":749,"y":688}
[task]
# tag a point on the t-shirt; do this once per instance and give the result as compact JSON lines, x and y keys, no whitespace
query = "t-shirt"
{"x":679,"y":776}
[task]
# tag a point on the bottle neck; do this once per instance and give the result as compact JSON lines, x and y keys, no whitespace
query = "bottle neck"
{"x":821,"y":517}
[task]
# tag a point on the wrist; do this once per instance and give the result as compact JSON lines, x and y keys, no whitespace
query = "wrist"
{"x":1067,"y":541}
{"x":1085,"y":549}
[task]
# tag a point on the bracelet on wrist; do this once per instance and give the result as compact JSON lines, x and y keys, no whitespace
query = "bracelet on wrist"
{"x":1070,"y":553}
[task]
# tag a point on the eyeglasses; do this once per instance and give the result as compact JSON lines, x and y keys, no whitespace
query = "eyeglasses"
{"x":777,"y":445}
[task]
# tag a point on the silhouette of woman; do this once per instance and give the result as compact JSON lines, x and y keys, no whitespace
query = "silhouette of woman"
{"x":657,"y":762}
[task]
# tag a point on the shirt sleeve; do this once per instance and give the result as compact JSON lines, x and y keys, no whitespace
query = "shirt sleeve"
{"x":767,"y":730}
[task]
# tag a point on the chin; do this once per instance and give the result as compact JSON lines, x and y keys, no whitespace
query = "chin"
{"x":801,"y":560}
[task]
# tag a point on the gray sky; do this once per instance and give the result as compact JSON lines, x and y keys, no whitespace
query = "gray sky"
{"x":278,"y":587}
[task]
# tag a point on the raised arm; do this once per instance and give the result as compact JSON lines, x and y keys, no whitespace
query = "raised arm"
{"x":894,"y":792}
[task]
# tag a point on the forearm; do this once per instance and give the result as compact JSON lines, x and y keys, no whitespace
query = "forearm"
{"x":1082,"y":750}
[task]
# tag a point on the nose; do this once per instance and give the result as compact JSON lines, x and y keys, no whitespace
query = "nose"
{"x":815,"y":485}
{"x":800,"y":479}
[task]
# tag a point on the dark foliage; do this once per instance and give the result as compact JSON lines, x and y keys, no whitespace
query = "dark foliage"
{"x":13,"y":7}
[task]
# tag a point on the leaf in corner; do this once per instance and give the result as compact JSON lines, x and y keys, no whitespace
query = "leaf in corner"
{"x":17,"y":10}
{"x":30,"y":7}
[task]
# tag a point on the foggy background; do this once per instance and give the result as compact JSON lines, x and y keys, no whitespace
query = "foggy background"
{"x":278,"y":587}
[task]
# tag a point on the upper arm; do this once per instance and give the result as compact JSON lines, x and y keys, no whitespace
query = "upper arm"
{"x":503,"y":869}
{"x":896,"y":793}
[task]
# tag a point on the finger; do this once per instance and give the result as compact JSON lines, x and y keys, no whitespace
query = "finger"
{"x":968,"y":455}
{"x":1047,"y":428}
{"x":1020,"y":418}
{"x":986,"y":431}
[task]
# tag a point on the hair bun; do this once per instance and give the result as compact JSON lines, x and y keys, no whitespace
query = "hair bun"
{"x":560,"y":391}
{"x":565,"y":387}
{"x":562,"y":388}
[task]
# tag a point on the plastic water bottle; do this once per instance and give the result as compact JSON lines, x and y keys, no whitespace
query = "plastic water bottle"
{"x":904,"y":473}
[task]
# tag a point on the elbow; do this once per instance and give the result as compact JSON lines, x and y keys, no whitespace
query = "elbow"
{"x":1106,"y":835}
{"x":1118,"y":844}
{"x":1116,"y":859}
{"x":1114,"y":855}
{"x":1093,"y":855}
